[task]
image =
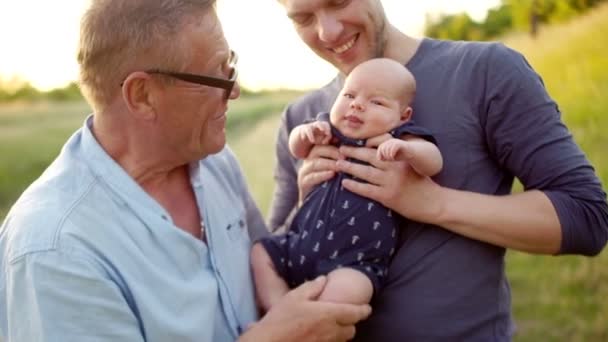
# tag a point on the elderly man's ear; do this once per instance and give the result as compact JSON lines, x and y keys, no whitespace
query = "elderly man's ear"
{"x":140,"y":95}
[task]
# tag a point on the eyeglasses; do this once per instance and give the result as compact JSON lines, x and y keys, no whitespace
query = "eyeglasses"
{"x":210,"y":81}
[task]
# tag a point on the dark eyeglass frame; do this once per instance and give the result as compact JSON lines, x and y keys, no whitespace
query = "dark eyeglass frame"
{"x":223,"y":83}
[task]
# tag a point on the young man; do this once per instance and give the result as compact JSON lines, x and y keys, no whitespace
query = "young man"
{"x":493,"y":121}
{"x":126,"y":236}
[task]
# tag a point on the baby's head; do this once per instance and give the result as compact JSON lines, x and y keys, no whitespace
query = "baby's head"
{"x":376,"y":98}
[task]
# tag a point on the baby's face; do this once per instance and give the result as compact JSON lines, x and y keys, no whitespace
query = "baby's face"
{"x":368,"y":106}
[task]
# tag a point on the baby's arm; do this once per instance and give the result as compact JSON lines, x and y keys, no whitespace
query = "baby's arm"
{"x":423,"y":156}
{"x":303,"y":137}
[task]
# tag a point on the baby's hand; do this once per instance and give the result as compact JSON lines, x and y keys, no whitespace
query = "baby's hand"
{"x":318,"y":133}
{"x":392,"y":149}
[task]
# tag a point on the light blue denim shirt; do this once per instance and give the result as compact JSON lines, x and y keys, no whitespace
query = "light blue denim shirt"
{"x":87,"y":255}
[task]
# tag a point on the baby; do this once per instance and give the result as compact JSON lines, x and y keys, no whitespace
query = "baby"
{"x":336,"y":232}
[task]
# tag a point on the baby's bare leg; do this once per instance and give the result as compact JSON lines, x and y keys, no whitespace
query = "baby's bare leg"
{"x":269,"y":286}
{"x":347,"y":285}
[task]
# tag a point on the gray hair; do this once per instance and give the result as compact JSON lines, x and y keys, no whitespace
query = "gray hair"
{"x":118,"y":37}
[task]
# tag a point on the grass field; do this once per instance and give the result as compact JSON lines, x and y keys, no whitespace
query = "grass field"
{"x":554,"y":298}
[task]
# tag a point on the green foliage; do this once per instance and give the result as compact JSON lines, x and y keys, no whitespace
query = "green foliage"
{"x":560,"y":299}
{"x":510,"y":15}
{"x":25,"y":92}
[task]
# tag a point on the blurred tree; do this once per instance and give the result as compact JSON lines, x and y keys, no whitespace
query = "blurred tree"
{"x":520,"y":15}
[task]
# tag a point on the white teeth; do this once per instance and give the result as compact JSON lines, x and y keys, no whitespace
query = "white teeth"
{"x":345,"y":47}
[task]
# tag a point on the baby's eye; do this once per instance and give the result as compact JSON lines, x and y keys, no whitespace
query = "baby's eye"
{"x":348,"y":96}
{"x":378,"y":103}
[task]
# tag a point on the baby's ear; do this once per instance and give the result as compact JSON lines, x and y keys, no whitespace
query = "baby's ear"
{"x":406,"y":114}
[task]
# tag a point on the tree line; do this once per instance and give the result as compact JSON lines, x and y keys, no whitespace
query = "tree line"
{"x":510,"y":15}
{"x":26,"y":92}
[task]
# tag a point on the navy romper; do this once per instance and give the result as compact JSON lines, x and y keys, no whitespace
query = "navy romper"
{"x":337,"y":228}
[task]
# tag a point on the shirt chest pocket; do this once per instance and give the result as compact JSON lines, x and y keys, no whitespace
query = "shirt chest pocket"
{"x":236,"y":229}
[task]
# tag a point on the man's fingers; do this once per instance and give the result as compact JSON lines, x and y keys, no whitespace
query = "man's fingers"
{"x":365,"y":172}
{"x":318,"y":177}
{"x":348,"y":314}
{"x":361,"y":153}
{"x":347,"y":333}
{"x":370,"y":191}
{"x":310,"y":290}
{"x":325,"y":151}
{"x":317,"y":165}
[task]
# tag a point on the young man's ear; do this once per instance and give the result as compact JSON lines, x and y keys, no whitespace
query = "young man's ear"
{"x":137,"y":95}
{"x":406,"y":114}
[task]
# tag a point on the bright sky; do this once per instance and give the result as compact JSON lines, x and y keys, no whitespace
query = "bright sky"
{"x":38,"y":40}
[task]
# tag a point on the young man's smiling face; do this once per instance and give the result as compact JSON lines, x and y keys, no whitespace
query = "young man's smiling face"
{"x":343,"y":32}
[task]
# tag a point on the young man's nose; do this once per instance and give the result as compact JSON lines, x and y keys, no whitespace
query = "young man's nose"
{"x":328,"y":28}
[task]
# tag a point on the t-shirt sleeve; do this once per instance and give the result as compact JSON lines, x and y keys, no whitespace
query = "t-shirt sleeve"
{"x":410,"y":127}
{"x":526,"y":135}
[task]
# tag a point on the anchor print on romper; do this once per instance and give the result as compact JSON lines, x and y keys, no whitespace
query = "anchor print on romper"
{"x":333,"y":212}
{"x":316,"y":248}
{"x":330,"y":236}
{"x":376,"y":225}
{"x":390,"y":213}
{"x":394,"y":232}
{"x":355,"y":239}
{"x":334,"y":255}
{"x":345,"y":205}
{"x":360,"y":256}
{"x":307,"y":214}
{"x":304,"y":234}
{"x":378,"y":244}
{"x":370,"y":205}
{"x":324,"y":185}
{"x":392,"y":251}
{"x":302,"y":259}
{"x":351,"y":222}
{"x":319,"y":224}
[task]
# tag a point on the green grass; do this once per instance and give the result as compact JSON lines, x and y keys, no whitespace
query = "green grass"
{"x":31,"y":135}
{"x":560,"y":298}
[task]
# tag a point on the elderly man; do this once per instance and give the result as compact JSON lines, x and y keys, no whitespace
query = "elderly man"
{"x":493,"y":121}
{"x":140,"y":230}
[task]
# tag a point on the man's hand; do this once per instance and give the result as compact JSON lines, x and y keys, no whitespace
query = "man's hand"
{"x":319,"y":167}
{"x":393,"y":183}
{"x":298,"y":316}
